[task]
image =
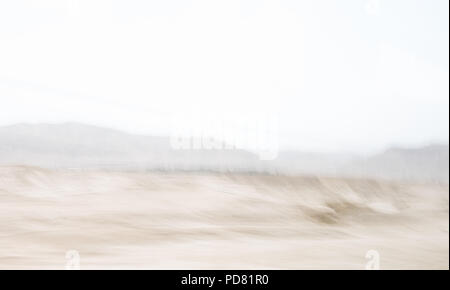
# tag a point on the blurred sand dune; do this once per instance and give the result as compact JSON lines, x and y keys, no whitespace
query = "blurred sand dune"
{"x":199,"y":220}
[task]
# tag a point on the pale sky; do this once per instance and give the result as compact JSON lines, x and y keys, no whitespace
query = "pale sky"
{"x":341,"y":75}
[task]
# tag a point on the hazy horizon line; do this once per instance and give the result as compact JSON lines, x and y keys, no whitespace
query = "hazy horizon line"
{"x":285,"y":149}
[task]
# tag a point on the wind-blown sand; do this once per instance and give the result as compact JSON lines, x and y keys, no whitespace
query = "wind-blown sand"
{"x":121,"y":220}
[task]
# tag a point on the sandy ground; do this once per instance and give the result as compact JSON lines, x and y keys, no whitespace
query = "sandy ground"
{"x":118,"y":220}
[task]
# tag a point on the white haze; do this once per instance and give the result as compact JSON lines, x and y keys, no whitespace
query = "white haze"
{"x":342,"y":75}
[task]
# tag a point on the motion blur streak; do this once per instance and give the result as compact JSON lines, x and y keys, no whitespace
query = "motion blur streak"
{"x":211,"y":220}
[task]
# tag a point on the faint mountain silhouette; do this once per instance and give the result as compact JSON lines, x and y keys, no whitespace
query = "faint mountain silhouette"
{"x":83,"y":146}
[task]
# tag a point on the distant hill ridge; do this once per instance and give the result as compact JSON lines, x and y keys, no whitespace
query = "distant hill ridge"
{"x":77,"y":145}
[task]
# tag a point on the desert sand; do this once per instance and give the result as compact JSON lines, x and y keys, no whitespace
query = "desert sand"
{"x":160,"y":220}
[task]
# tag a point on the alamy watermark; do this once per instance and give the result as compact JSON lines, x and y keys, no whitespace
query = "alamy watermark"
{"x":374,"y":260}
{"x":73,"y":260}
{"x":256,"y":132}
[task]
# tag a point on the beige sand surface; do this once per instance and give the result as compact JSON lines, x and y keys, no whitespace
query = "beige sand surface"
{"x":119,"y":220}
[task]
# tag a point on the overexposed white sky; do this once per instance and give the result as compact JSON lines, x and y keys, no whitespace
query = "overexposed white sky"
{"x":342,"y":75}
